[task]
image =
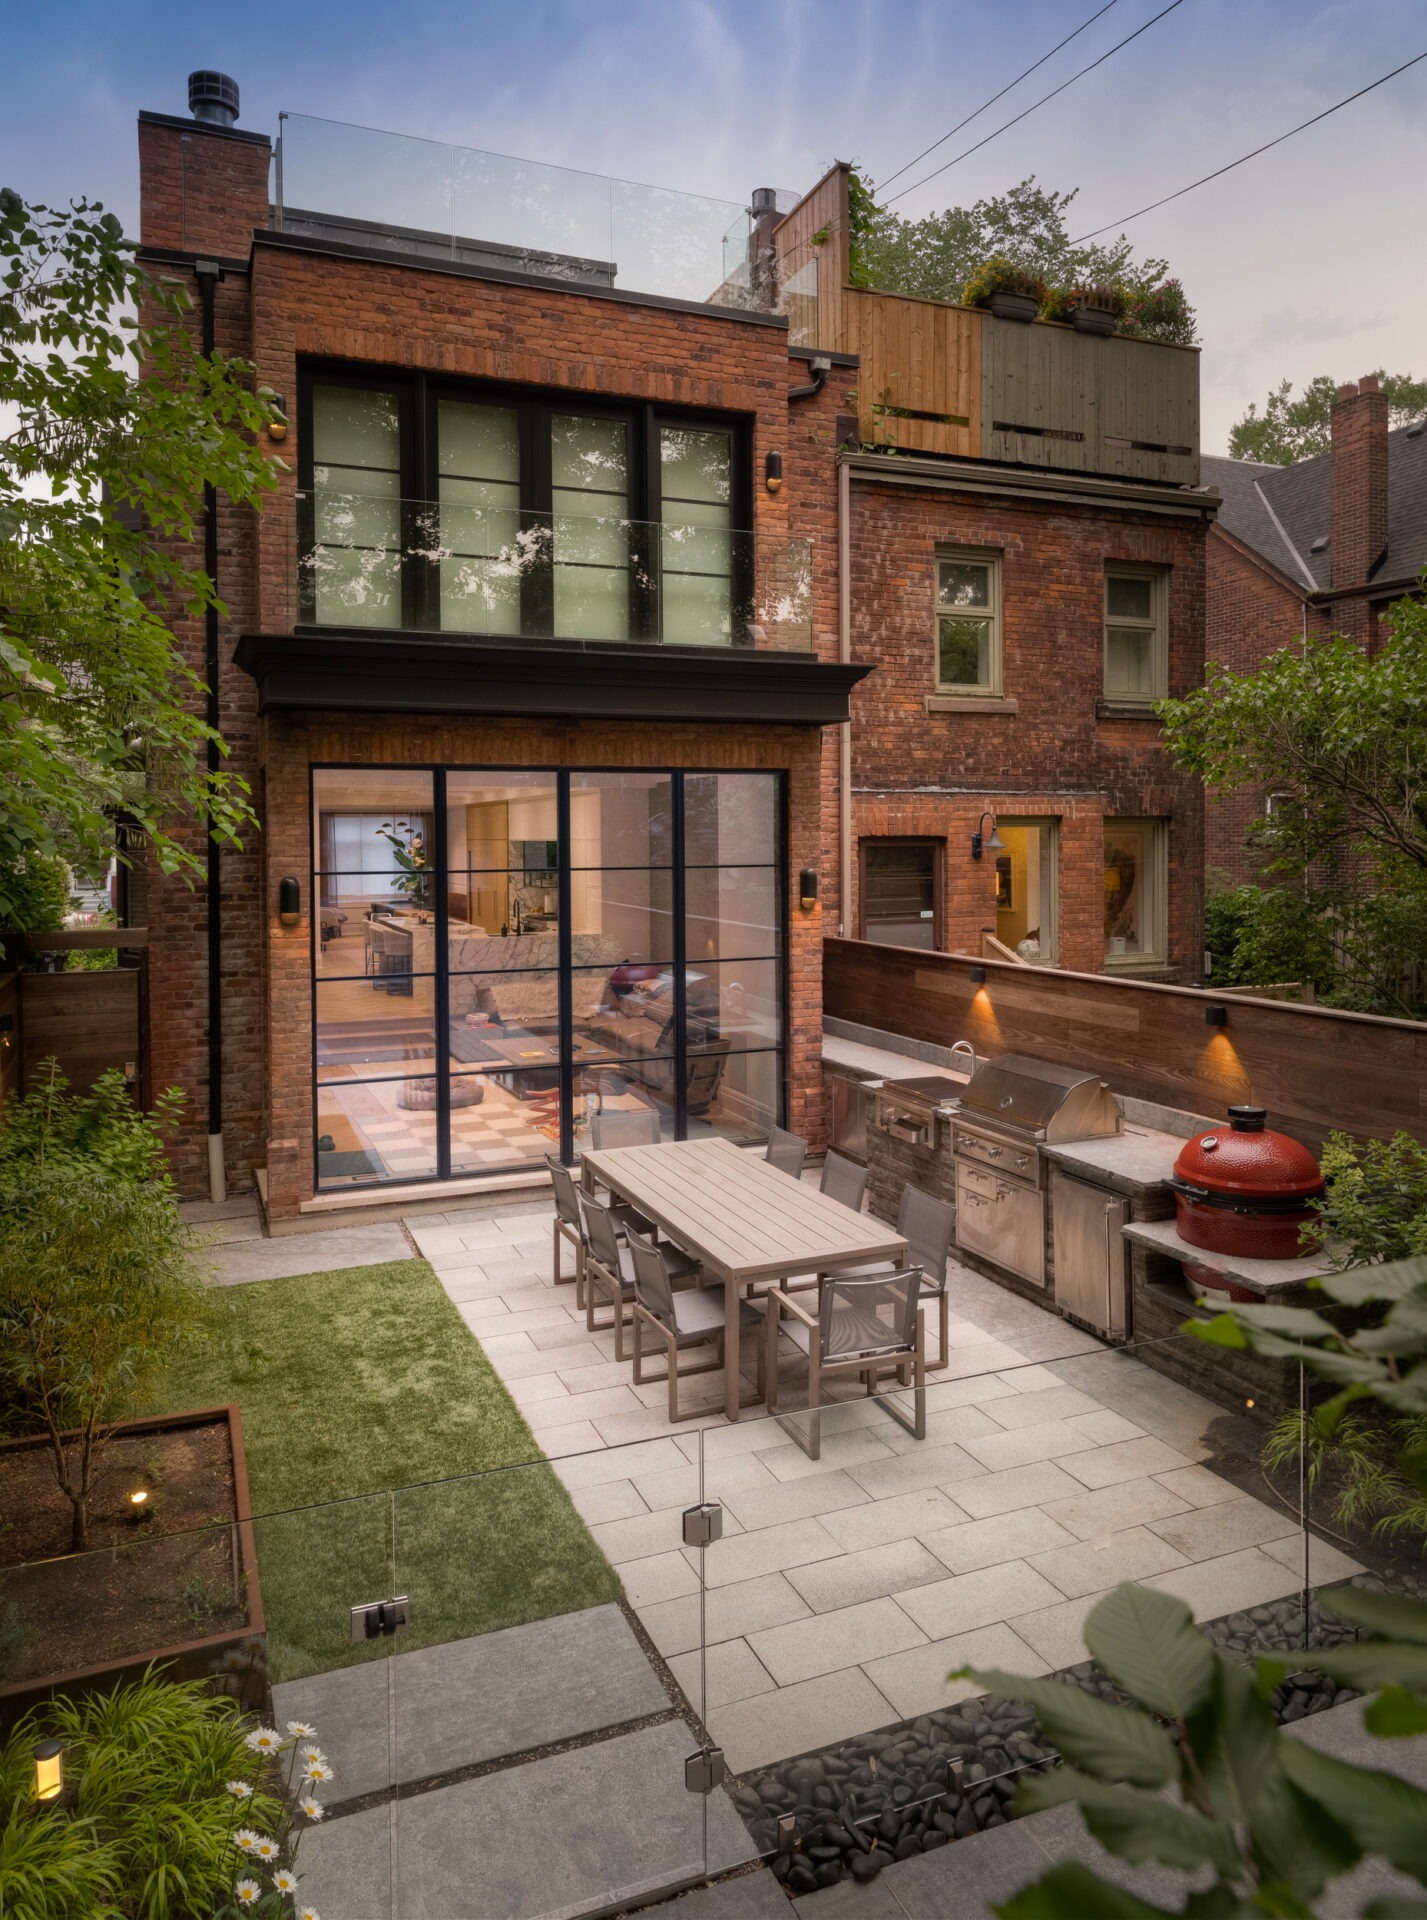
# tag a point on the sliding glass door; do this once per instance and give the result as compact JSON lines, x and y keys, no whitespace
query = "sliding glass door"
{"x":502,"y":956}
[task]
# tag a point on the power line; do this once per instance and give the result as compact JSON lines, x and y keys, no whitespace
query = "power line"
{"x":1219,"y":172}
{"x":1039,"y":103}
{"x":999,"y":96}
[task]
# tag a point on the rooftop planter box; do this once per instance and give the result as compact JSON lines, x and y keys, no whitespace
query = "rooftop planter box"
{"x":180,"y":1587}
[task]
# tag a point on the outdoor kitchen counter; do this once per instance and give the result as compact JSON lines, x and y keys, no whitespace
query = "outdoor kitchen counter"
{"x":1128,"y":1162}
{"x":1264,"y":1277}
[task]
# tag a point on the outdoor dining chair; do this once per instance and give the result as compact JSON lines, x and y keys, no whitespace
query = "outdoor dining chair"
{"x":624,"y":1127}
{"x":843,"y":1180}
{"x":607,"y":1268}
{"x":868,"y":1326}
{"x":692,"y":1318}
{"x":786,"y":1152}
{"x":928,"y":1226}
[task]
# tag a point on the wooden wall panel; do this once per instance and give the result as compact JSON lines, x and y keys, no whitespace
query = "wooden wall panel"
{"x":88,"y":1021}
{"x":823,"y":210}
{"x":919,"y":358}
{"x":1315,"y":1069}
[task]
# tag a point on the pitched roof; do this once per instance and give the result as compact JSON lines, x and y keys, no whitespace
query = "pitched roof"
{"x":1283,"y":512}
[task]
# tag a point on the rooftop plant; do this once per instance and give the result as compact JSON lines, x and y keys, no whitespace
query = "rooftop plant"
{"x":1061,"y":302}
{"x":1000,"y":275}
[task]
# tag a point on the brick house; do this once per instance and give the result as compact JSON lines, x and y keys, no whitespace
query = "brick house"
{"x":529,"y":663}
{"x":1319,"y":547}
{"x":1023,"y":534}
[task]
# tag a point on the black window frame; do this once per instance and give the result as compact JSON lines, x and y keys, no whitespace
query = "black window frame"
{"x":418,"y":395}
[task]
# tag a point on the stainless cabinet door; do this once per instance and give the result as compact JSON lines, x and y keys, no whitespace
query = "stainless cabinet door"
{"x":1089,"y":1252}
{"x":1001,"y":1220}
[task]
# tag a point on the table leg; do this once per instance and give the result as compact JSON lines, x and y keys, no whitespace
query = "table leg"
{"x":732,"y":1354}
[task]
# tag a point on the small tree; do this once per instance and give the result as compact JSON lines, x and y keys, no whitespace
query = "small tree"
{"x":1296,"y":428}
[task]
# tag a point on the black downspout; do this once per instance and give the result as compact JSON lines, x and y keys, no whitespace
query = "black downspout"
{"x":209,"y":274}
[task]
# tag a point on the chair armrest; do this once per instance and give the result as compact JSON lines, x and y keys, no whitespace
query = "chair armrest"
{"x":786,"y":1303}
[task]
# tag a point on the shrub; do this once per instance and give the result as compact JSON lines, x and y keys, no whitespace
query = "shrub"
{"x":1375,"y":1203}
{"x":162,"y":1783}
{"x":101,"y":1130}
{"x":98,"y":1289}
{"x":1000,"y":275}
{"x":1161,"y":313}
{"x":37,"y":890}
{"x":1061,"y":302}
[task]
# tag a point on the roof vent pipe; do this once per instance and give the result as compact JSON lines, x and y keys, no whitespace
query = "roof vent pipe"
{"x":213,"y":97}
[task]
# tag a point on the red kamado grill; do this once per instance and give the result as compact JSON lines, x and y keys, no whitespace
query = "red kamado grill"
{"x":1244,"y":1190}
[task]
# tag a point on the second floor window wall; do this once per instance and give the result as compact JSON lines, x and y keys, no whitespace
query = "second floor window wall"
{"x":483,"y":511}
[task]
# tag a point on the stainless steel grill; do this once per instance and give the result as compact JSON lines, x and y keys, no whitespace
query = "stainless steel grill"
{"x":1009,"y":1108}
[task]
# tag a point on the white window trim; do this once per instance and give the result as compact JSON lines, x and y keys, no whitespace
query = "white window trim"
{"x":1156,"y":954}
{"x":990,"y":557}
{"x":1157,"y":626}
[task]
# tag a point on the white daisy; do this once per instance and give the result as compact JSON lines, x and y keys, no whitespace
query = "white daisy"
{"x":249,"y":1893}
{"x":309,"y":1808}
{"x":245,"y":1839}
{"x":239,"y":1789}
{"x":300,"y":1730}
{"x":308,"y":1913}
{"x":263,"y":1848}
{"x":311,"y":1751}
{"x":316,"y":1770}
{"x":264,"y":1740}
{"x":285,"y":1880}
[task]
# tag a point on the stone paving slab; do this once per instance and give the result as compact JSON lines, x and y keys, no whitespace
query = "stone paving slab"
{"x":557,"y":1837}
{"x":469,"y":1701}
{"x":296,"y":1253}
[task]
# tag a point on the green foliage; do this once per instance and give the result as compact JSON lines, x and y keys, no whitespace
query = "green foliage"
{"x":1269,"y":936}
{"x":147,"y":1826}
{"x":1341,"y":731}
{"x":112,"y":424}
{"x":101,"y":1130}
{"x":98,"y":1288}
{"x":34,"y":894}
{"x":1000,"y":275}
{"x":936,"y":256}
{"x":1062,"y":302}
{"x":1374,"y":1206}
{"x":1291,"y":429}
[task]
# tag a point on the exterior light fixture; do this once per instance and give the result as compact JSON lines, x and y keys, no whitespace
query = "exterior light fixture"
{"x":289,"y":901}
{"x":808,"y":889}
{"x":49,"y":1770}
{"x":139,"y":1504}
{"x":991,"y":842}
{"x":773,"y":472}
{"x":277,"y":426}
{"x":1216,"y":1016}
{"x":978,"y":976}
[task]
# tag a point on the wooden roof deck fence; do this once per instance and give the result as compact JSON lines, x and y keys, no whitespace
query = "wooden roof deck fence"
{"x":936,"y":377}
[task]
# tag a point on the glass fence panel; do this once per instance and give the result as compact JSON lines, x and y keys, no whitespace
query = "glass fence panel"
{"x":540,"y":1748}
{"x":469,"y":565}
{"x":256,"y":1610}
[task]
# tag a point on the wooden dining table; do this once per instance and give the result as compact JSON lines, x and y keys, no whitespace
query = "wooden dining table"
{"x":741,"y":1217}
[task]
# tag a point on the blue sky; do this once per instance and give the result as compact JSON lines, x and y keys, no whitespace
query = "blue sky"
{"x":1306,"y":261}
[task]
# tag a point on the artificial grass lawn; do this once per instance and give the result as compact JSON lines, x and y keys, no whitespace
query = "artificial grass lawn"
{"x":384,"y":1457}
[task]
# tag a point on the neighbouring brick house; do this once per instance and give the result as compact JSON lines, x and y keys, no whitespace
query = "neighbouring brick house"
{"x":528,"y":661}
{"x":1319,"y":547}
{"x":1024,"y":567}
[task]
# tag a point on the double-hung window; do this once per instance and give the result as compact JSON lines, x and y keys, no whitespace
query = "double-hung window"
{"x":1136,"y":644}
{"x":494,"y":511}
{"x":968,"y":621}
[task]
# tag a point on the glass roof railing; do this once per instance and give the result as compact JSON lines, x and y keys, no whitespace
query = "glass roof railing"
{"x":486,"y":209}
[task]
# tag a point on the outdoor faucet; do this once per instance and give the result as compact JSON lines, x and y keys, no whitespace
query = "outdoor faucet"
{"x":965,"y":1046}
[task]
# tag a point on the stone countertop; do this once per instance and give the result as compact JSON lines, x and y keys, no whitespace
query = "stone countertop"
{"x":1266,"y":1277}
{"x":1129,"y":1162}
{"x":878,"y":1063}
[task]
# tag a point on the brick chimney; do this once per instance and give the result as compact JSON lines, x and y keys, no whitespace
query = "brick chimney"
{"x":1359,"y":481}
{"x":203,"y":183}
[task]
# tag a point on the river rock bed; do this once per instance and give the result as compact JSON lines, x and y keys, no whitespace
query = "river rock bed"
{"x":953,"y":1772}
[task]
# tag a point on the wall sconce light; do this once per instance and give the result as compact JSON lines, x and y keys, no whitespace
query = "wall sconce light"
{"x":277,"y":428}
{"x":808,"y":889}
{"x":991,"y":842}
{"x":773,"y":472}
{"x":289,"y":901}
{"x":1216,"y":1016}
{"x":977,"y":976}
{"x":49,"y":1770}
{"x":7,"y":1031}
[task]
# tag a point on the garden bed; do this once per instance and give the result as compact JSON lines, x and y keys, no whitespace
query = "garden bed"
{"x":180,"y":1586}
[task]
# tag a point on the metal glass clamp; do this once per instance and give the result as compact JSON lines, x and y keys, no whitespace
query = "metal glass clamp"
{"x":379,"y":1619}
{"x":703,"y":1524}
{"x":705,"y":1770}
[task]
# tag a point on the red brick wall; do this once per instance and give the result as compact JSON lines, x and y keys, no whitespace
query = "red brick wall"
{"x":201,"y":188}
{"x":1359,"y":496}
{"x":932,"y":773}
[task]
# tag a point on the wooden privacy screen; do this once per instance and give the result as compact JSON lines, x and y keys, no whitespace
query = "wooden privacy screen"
{"x":89,"y":1022}
{"x":1315,"y":1069}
